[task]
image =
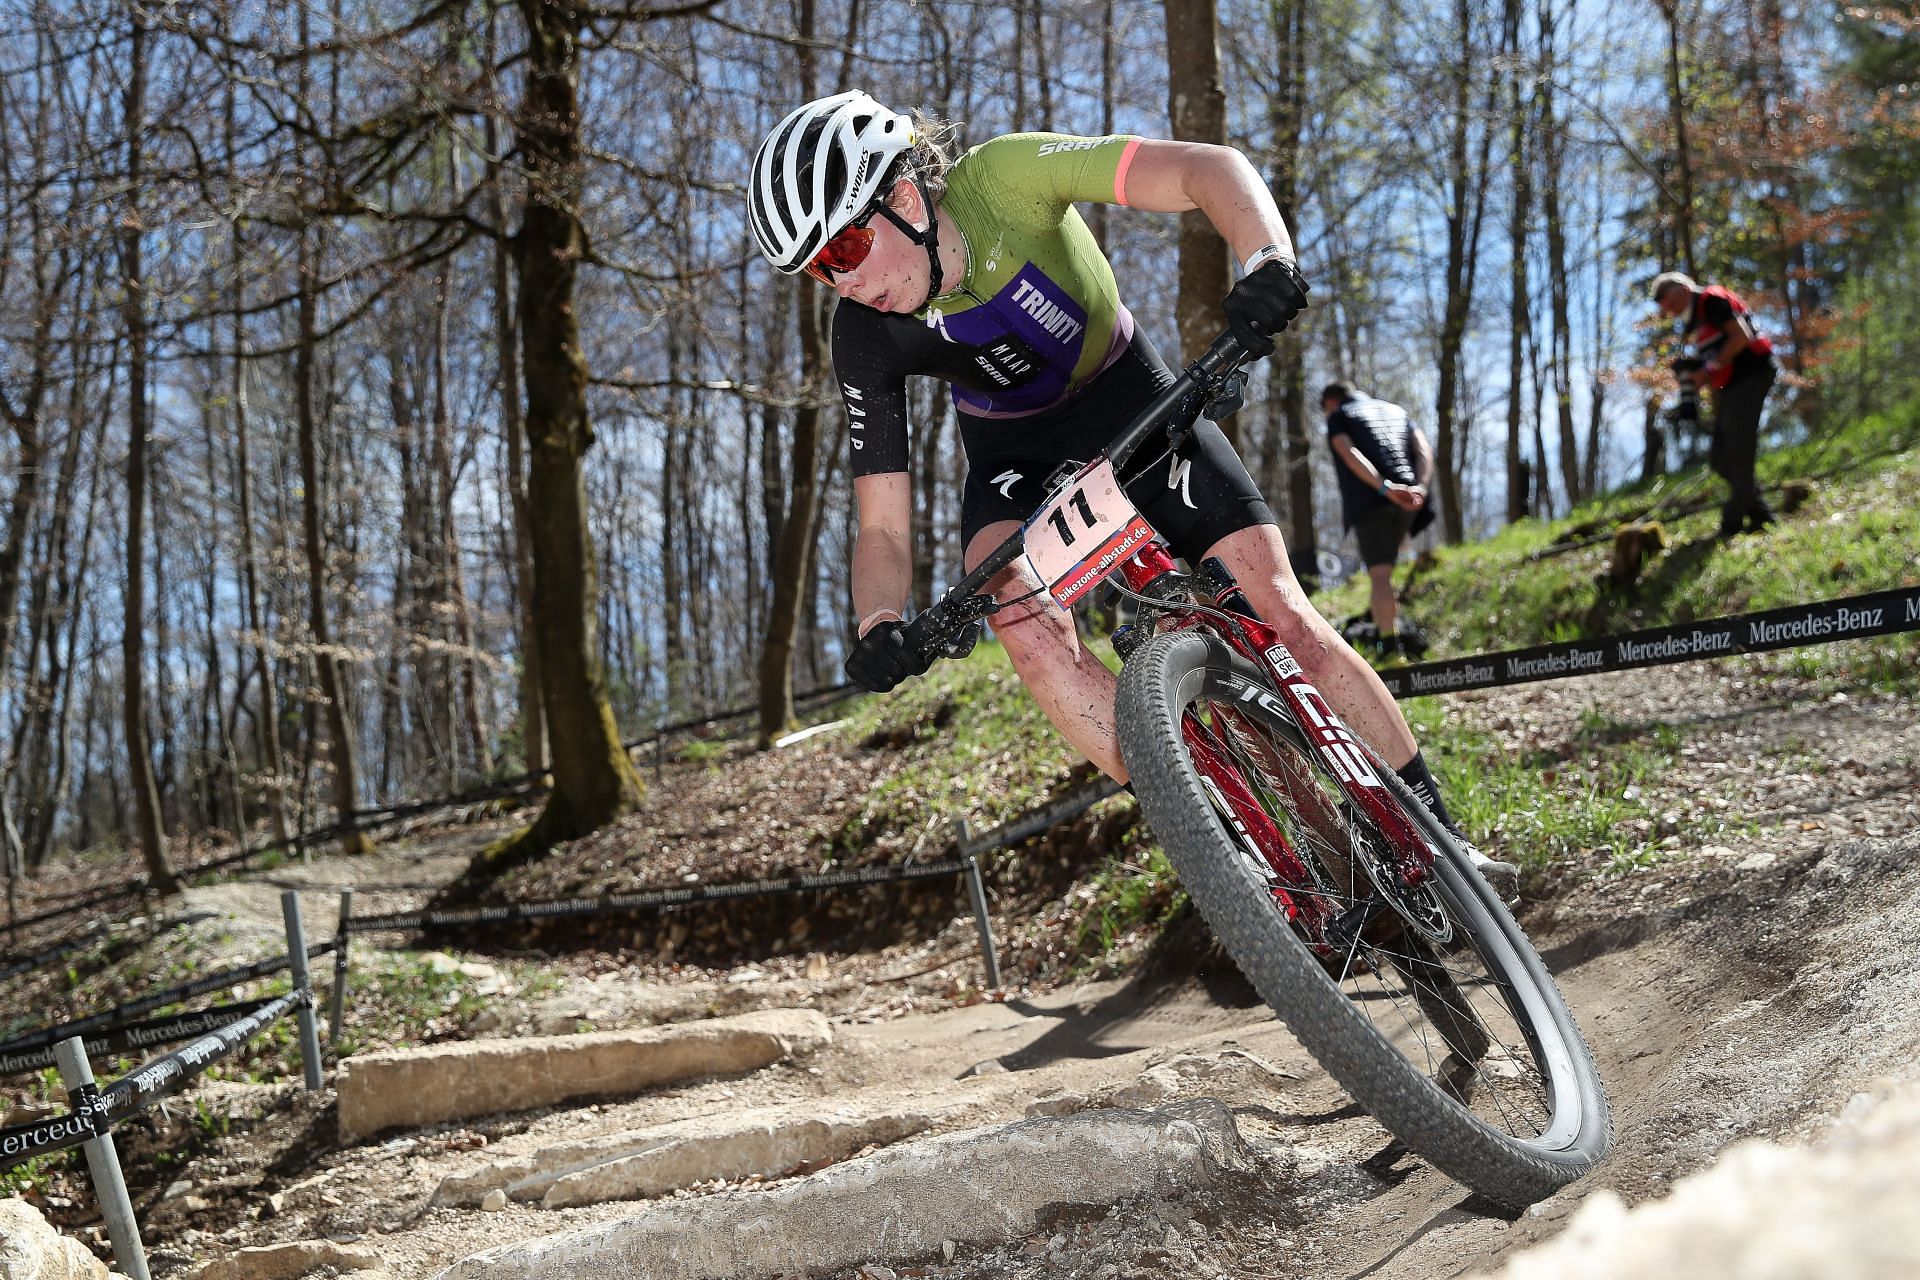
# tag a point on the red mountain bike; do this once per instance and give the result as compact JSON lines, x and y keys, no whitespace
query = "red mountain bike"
{"x":1353,"y":912}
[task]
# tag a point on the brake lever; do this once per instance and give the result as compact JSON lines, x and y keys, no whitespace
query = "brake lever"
{"x":1229,"y":398}
{"x":961,"y":642}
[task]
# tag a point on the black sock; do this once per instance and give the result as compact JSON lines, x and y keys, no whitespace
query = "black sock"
{"x":1419,"y":780}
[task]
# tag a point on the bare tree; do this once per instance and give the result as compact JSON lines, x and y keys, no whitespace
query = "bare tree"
{"x":146,"y":796}
{"x":593,"y":781}
{"x":1197,"y":109}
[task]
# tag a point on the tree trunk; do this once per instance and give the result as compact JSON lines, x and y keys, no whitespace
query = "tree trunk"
{"x":1465,"y":207}
{"x":593,"y":781}
{"x":1682,"y":153}
{"x":267,"y":725}
{"x":1197,"y":108}
{"x":1520,"y":309}
{"x":792,"y":553}
{"x":533,"y":722}
{"x":269,"y":715}
{"x":1287,"y":371}
{"x":1560,"y":362}
{"x":1653,"y":453}
{"x":329,"y":664}
{"x":146,"y":798}
{"x":927,"y":491}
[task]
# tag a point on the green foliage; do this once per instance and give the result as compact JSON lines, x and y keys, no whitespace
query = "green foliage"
{"x":1857,"y":533}
{"x":707,"y":751}
{"x":1134,"y":891}
{"x":1874,"y":372}
{"x":974,"y":744}
{"x":1538,"y":808}
{"x":398,"y":1001}
{"x":32,"y":1179}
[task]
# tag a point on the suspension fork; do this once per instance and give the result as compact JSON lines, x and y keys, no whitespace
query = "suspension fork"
{"x":1336,"y":746}
{"x":1290,"y":883}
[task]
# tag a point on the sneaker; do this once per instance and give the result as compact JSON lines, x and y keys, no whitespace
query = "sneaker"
{"x":1502,"y":877}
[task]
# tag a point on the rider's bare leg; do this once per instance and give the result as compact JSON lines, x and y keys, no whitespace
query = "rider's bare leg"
{"x":1257,"y":557}
{"x":1073,"y":687}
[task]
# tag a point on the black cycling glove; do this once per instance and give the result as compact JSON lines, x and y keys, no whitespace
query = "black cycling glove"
{"x":1264,"y":302}
{"x":881,"y":659}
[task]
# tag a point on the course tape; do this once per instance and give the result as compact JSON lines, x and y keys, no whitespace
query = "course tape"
{"x":361,"y":820}
{"x":1032,"y":824}
{"x":111,"y":1018}
{"x":613,"y":903}
{"x":137,"y":1035}
{"x":96,"y":1110}
{"x":1880,"y":613}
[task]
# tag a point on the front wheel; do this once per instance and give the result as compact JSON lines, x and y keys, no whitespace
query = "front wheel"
{"x":1428,"y":1004}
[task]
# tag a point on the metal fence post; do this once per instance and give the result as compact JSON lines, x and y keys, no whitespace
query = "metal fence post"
{"x":297,"y":965}
{"x":977,"y":890}
{"x":103,"y":1163}
{"x":341,"y":939}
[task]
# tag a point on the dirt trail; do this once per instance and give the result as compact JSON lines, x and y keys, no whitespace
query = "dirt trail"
{"x":1743,"y":989}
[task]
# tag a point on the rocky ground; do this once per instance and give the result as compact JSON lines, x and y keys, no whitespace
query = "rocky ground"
{"x":1751,"y":987}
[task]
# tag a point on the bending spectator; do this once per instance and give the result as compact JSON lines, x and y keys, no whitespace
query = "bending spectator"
{"x":1384,"y":463}
{"x":1737,"y":362}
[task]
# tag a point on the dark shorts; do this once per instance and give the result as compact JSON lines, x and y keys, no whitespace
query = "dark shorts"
{"x":1382,"y":533}
{"x":1193,"y":498}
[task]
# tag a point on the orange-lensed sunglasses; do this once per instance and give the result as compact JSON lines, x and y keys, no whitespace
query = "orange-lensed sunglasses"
{"x":844,"y":252}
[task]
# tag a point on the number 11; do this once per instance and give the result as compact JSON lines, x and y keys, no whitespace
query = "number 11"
{"x":1057,"y":517}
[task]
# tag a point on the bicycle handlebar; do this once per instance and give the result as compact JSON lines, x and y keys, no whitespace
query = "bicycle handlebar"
{"x":963,"y":604}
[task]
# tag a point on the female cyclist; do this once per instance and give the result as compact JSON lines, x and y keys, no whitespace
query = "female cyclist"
{"x":980,"y":271}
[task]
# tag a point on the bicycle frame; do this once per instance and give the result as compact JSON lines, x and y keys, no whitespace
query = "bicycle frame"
{"x":1147,"y":573}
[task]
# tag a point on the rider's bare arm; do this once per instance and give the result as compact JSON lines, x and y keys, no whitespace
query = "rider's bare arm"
{"x":1173,"y":177}
{"x":882,"y":549}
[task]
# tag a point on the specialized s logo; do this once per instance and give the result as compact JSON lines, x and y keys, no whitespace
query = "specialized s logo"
{"x":1179,"y":476}
{"x":1005,"y":482}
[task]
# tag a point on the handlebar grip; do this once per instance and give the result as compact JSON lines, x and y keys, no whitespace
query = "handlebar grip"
{"x":1226,"y":353}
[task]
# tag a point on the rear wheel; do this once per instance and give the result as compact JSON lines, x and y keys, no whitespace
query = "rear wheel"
{"x":1428,"y":1004}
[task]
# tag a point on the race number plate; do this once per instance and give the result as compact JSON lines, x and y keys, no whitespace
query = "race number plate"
{"x":1076,"y":541}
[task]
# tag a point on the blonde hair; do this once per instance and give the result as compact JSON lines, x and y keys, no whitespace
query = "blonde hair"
{"x":926,"y":162}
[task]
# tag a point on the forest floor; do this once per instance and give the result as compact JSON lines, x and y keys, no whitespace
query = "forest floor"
{"x":1747,"y":985}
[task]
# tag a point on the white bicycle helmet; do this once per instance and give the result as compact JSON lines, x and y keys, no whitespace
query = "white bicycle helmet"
{"x":818,"y":171}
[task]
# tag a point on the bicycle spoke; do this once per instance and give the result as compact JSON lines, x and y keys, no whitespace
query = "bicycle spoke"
{"x":1437,"y":1000}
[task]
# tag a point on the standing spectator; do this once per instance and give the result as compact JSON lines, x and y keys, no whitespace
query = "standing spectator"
{"x":1384,"y":463}
{"x":1737,"y":362}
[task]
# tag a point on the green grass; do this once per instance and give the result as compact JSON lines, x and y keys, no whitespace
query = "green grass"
{"x":1859,"y":532}
{"x":1588,"y":805}
{"x":1133,"y":890}
{"x":973,"y":745}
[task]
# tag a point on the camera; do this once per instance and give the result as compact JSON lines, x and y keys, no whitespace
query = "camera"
{"x":1686,"y":406}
